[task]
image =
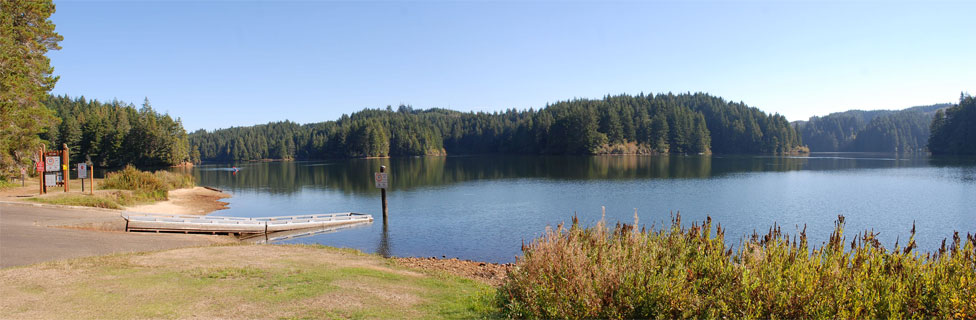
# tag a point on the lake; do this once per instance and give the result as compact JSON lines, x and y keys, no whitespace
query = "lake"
{"x":483,"y":207}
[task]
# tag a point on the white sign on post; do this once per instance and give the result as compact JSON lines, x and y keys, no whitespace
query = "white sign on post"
{"x":82,"y":170}
{"x":382,"y":181}
{"x":52,"y":163}
{"x":50,"y":180}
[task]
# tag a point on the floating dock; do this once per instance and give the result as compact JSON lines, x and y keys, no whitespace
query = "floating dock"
{"x":299,"y":233}
{"x":239,"y":226}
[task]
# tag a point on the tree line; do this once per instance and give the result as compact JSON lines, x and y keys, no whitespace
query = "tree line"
{"x":954,"y":130}
{"x":903,"y":131}
{"x":114,"y":134}
{"x":663,"y":123}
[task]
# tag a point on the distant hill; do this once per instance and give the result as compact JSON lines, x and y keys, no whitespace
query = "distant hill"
{"x":870,"y":131}
{"x":663,"y":123}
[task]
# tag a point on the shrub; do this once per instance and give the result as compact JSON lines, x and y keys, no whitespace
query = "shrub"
{"x":145,"y":185}
{"x":680,"y":272}
{"x":174,"y":180}
{"x":4,"y":184}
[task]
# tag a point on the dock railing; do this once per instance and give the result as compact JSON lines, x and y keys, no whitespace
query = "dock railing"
{"x":136,"y":221}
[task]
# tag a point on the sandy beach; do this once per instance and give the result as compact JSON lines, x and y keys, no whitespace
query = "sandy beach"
{"x":196,"y":200}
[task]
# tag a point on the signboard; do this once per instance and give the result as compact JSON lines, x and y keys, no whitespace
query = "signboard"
{"x":52,"y":163}
{"x":39,"y":166}
{"x":23,"y":171}
{"x":82,"y":170}
{"x":382,"y":180}
{"x":50,"y":180}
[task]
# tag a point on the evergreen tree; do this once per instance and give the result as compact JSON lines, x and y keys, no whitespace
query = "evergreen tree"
{"x":26,"y":35}
{"x":115,"y":134}
{"x":954,"y":132}
{"x":659,"y":134}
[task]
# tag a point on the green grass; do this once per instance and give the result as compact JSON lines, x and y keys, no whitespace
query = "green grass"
{"x":110,"y":200}
{"x":4,"y":184}
{"x":83,"y":200}
{"x":277,"y":282}
{"x":680,"y":272}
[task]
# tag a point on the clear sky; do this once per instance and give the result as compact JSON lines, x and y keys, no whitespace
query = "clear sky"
{"x":227,"y":63}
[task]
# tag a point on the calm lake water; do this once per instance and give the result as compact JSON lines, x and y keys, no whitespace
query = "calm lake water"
{"x":483,"y":207}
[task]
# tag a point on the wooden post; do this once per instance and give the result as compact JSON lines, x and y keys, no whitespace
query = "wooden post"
{"x":383,"y":195}
{"x":64,"y":166}
{"x":43,"y":161}
{"x":91,"y":179}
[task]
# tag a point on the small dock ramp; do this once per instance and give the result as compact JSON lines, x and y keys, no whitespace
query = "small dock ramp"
{"x":239,"y":226}
{"x":299,"y":233}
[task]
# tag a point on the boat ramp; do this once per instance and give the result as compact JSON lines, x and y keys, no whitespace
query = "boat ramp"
{"x":239,"y":226}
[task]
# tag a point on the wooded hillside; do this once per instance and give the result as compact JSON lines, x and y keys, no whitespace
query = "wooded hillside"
{"x":870,"y":131}
{"x":954,"y":130}
{"x":664,"y":123}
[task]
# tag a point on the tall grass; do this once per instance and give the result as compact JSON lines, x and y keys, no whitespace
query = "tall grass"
{"x":146,"y":185}
{"x":689,"y":272}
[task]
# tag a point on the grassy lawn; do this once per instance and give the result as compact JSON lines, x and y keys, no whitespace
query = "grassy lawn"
{"x":115,"y":200}
{"x":238,"y":281}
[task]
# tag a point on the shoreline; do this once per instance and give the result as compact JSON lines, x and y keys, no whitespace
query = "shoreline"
{"x":198,"y":200}
{"x":493,"y":274}
{"x":94,"y":230}
{"x":192,"y":201}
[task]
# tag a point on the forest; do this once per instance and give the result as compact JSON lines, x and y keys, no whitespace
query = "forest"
{"x":114,"y":134}
{"x":903,"y":131}
{"x":663,"y":123}
{"x":954,"y":130}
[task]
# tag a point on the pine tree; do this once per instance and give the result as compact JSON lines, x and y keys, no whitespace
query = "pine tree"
{"x":955,"y":132}
{"x":26,"y":35}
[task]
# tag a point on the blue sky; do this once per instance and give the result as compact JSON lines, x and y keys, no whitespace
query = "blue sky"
{"x":227,"y":63}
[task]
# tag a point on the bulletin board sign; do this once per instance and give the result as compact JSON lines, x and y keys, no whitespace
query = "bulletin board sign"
{"x":52,"y":163}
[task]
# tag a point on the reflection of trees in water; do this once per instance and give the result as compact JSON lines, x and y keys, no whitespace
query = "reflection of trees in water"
{"x":355,"y":175}
{"x":966,"y":165}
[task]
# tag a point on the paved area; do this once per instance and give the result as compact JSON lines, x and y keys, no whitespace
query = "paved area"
{"x":32,"y":234}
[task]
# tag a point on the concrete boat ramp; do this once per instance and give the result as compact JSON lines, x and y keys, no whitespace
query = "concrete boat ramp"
{"x":239,"y":226}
